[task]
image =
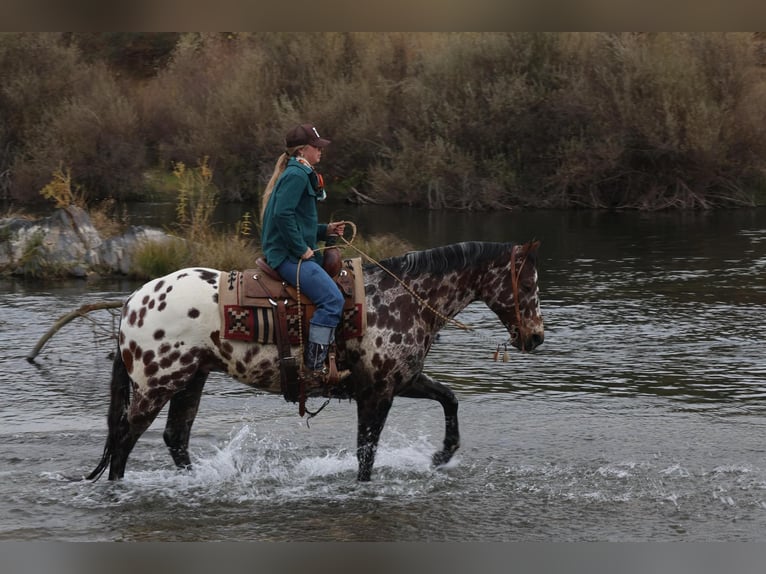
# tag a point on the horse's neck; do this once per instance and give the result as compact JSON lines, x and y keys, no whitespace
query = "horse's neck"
{"x":441,"y":296}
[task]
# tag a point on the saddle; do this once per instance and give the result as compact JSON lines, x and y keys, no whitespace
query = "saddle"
{"x":258,"y":306}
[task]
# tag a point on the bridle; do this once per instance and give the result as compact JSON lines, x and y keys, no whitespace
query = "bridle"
{"x":515,"y":276}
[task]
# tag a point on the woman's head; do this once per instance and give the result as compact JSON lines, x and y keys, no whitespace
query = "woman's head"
{"x":303,"y":135}
{"x":304,"y":141}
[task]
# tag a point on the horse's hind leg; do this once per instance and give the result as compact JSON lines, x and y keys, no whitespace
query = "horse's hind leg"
{"x":424,"y":387}
{"x":181,"y":414}
{"x":128,"y":418}
{"x":140,"y":416}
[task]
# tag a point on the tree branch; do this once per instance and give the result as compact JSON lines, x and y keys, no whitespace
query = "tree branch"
{"x":64,"y":319}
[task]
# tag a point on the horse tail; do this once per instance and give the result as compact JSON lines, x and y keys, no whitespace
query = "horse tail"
{"x":118,"y":406}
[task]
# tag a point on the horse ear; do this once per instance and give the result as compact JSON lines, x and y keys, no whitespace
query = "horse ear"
{"x":530,"y":247}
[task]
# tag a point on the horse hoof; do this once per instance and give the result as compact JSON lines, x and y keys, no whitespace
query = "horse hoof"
{"x":441,"y":458}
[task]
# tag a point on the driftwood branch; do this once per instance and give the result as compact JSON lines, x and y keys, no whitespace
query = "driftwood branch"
{"x":64,"y":319}
{"x":356,"y":196}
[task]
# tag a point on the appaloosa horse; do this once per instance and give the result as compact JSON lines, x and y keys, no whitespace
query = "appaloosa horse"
{"x":170,"y":339}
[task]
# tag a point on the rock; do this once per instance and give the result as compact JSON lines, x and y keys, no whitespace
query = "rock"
{"x":116,"y":253}
{"x":67,"y":243}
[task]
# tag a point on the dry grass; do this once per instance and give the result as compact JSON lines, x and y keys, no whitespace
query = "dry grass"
{"x":157,"y":258}
{"x":225,"y":252}
{"x":377,"y":247}
{"x":108,"y":218}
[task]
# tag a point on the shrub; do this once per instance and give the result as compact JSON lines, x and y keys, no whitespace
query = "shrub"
{"x":660,"y":120}
{"x":225,"y":251}
{"x":96,"y":133}
{"x":438,"y":120}
{"x":197,"y":198}
{"x":378,"y":247}
{"x":60,"y":188}
{"x":39,"y":75}
{"x":157,"y":258}
{"x":201,"y":245}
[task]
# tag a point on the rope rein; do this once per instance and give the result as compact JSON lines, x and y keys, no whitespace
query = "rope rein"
{"x":409,"y":289}
{"x":515,"y":275}
{"x":300,"y":314}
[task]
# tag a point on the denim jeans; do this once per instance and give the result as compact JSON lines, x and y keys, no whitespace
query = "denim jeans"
{"x":318,"y":286}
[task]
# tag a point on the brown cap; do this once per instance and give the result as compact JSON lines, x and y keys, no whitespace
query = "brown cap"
{"x":305,"y":134}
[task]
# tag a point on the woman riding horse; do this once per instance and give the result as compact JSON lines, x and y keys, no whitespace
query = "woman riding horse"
{"x":289,"y":239}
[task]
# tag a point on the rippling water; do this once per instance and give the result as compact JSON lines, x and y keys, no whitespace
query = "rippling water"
{"x":640,"y":418}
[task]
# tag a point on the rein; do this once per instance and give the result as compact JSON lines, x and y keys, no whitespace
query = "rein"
{"x":409,"y":289}
{"x":515,"y":275}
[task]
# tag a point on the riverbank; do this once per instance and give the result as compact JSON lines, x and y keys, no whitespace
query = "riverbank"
{"x":67,"y":244}
{"x":74,"y":242}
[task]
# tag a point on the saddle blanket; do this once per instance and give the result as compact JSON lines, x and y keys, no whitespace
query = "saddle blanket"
{"x":246,"y":315}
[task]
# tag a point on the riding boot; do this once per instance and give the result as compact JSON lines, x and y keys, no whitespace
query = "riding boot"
{"x":314,"y":357}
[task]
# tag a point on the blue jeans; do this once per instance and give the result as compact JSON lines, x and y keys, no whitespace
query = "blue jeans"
{"x":318,"y":286}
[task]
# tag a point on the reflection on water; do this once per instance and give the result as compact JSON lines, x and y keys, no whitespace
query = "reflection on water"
{"x":641,"y":417}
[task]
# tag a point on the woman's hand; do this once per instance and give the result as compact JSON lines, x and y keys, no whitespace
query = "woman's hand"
{"x":308,"y":254}
{"x":336,"y":228}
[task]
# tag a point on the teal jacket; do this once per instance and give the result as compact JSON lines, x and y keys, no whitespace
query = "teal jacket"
{"x":290,"y":221}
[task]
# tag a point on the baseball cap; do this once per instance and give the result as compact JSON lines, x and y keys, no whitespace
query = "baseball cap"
{"x":305,"y":134}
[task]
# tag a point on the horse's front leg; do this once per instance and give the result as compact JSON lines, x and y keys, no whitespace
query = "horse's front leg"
{"x":372,"y":412}
{"x":424,"y":387}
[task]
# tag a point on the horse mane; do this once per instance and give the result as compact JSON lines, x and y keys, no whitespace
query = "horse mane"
{"x":448,"y":258}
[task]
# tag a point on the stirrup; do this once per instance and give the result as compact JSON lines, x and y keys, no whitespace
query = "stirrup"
{"x":325,"y":376}
{"x":334,"y":376}
{"x":319,"y":376}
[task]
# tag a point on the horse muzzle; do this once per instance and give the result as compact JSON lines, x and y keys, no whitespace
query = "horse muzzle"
{"x":527,"y":340}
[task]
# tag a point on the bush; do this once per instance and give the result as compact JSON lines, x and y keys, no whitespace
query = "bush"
{"x":377,"y":247}
{"x":659,"y":121}
{"x":225,"y":251}
{"x":438,"y":120}
{"x":39,"y":74}
{"x":96,"y":134}
{"x":157,"y":258}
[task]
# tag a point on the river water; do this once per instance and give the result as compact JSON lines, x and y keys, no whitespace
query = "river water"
{"x":641,"y":417}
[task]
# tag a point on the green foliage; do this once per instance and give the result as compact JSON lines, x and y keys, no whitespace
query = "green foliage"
{"x":135,"y":54}
{"x":245,"y":225}
{"x":197,"y":198}
{"x":157,"y":258}
{"x":200,"y":244}
{"x":60,"y":188}
{"x":437,"y":120}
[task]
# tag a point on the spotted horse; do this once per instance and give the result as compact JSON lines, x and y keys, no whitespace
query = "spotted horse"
{"x":170,"y":340}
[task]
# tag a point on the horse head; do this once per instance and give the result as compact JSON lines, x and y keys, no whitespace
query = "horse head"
{"x":513,"y":296}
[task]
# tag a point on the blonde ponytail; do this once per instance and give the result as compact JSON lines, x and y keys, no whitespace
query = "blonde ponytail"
{"x":279,"y":167}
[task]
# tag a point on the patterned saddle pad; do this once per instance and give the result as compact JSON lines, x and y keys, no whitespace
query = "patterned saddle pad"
{"x":247,"y":302}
